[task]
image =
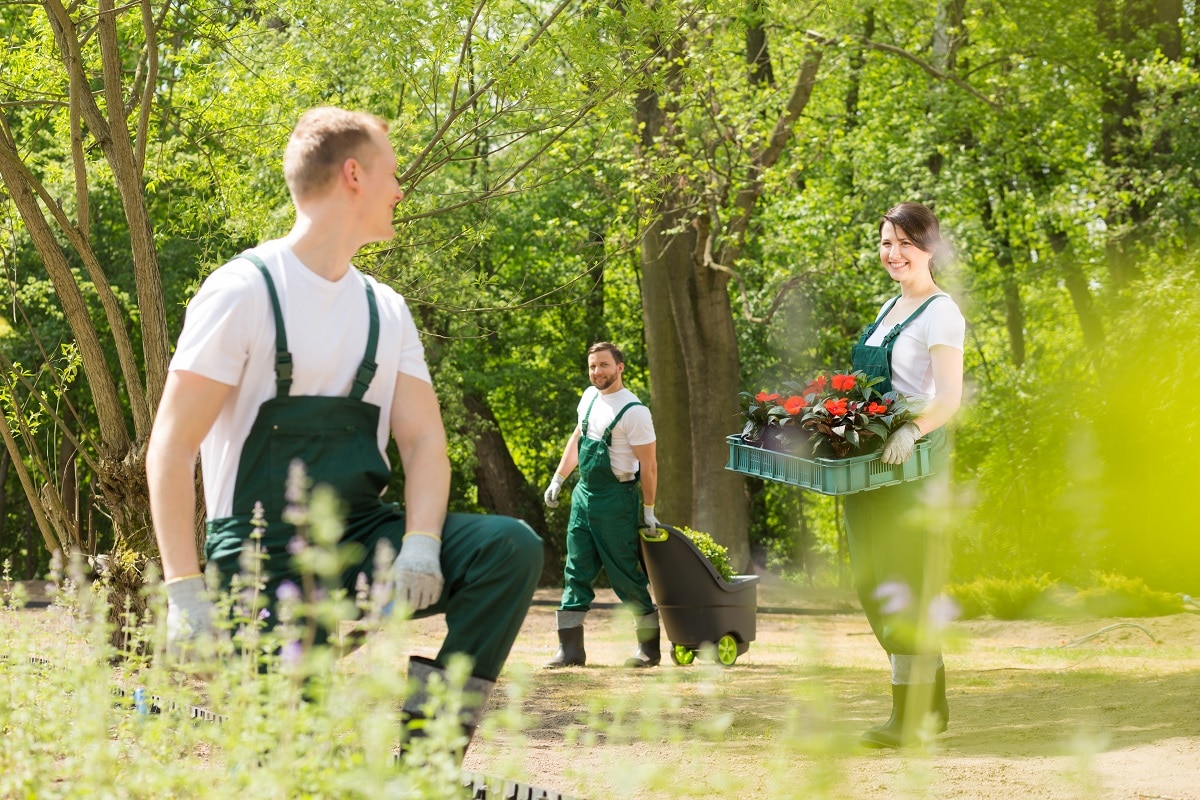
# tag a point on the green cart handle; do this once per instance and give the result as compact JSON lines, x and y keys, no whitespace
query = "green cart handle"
{"x":653,"y":535}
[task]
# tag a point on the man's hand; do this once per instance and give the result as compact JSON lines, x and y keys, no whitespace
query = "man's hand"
{"x":189,"y":618}
{"x":649,"y":518}
{"x":418,"y":570}
{"x":899,"y":446}
{"x":551,"y":496}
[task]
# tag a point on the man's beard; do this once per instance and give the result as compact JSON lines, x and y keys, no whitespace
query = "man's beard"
{"x":602,"y":382}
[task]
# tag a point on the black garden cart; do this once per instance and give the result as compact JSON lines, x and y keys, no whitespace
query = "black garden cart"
{"x":697,"y":606}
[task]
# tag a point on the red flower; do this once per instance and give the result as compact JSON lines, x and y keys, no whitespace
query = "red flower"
{"x":836,"y":407}
{"x":843,"y":383}
{"x":763,"y":397}
{"x":877,"y":408}
{"x":794,"y":405}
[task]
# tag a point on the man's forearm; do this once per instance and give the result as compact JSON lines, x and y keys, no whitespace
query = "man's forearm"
{"x":570,"y":456}
{"x":171,"y":481}
{"x":426,"y":488}
{"x":649,"y":478}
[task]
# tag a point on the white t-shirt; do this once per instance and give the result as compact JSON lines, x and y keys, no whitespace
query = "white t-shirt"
{"x":912,"y":368}
{"x":635,"y":428}
{"x":229,"y":336}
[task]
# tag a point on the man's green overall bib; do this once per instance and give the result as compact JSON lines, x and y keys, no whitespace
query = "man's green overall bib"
{"x":890,"y":548}
{"x":603,"y":528}
{"x":490,"y":563}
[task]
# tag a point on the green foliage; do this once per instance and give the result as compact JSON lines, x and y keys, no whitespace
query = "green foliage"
{"x":1012,"y":598}
{"x":717,"y":555}
{"x":1119,"y":596}
{"x":1108,"y":595}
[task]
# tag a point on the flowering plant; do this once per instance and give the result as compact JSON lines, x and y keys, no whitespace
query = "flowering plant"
{"x":843,"y":412}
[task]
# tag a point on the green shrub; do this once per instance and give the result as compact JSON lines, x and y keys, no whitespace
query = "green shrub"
{"x":1118,"y":596}
{"x":1110,"y":595}
{"x":717,"y":554}
{"x":1002,"y":598}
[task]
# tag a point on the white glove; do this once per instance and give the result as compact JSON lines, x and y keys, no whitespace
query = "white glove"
{"x":417,"y":571}
{"x":189,"y":618}
{"x":899,"y":446}
{"x":551,"y":496}
{"x":649,"y":518}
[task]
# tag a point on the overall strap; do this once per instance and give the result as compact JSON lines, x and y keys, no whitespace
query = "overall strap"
{"x":871,"y":328}
{"x":608,"y":431}
{"x":894,"y":332}
{"x":586,"y":414}
{"x":366,"y":370}
{"x":283,"y":359}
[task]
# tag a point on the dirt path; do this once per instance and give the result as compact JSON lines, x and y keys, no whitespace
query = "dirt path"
{"x":1035,"y":712}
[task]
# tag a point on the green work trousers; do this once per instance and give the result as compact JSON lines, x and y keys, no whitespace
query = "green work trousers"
{"x":898,"y":556}
{"x":490,"y":564}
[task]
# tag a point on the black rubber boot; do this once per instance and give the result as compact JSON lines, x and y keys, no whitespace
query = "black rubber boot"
{"x":899,"y":730}
{"x":570,"y":649}
{"x":648,"y":654}
{"x":413,"y":716}
{"x":890,"y":733}
{"x":941,"y":707}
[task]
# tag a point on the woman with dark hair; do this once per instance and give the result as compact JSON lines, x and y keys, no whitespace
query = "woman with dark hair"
{"x":896,"y":551}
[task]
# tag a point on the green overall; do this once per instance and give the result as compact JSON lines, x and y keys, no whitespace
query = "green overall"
{"x":490,"y":563}
{"x":895,"y":556}
{"x":603,"y":528}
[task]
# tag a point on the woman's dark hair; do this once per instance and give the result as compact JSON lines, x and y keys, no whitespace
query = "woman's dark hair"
{"x":920,"y":224}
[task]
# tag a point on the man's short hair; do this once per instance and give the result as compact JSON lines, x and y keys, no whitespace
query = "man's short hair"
{"x":610,"y":347}
{"x":322,"y":140}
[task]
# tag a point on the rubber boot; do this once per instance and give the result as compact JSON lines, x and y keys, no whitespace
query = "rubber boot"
{"x":570,"y":649}
{"x":648,"y":652}
{"x":899,"y":730}
{"x":890,"y":733}
{"x":418,"y":708}
{"x":941,"y":707}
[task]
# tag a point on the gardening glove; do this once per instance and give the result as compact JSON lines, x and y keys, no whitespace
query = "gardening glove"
{"x":649,"y":518}
{"x":417,"y":572}
{"x":189,"y":618}
{"x":899,"y":446}
{"x":551,"y":496}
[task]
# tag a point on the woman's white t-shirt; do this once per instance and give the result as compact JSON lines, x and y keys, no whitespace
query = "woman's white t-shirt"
{"x":636,"y":428}
{"x":229,"y":336}
{"x":912,"y":367}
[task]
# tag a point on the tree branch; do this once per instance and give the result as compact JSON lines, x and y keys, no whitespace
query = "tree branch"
{"x":455,"y":113}
{"x":925,"y":65}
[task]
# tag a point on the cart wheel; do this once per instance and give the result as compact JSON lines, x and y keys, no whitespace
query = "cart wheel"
{"x":682,"y":655}
{"x":727,"y":650}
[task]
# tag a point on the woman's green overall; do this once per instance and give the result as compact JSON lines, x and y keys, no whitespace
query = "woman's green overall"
{"x":603,"y":528}
{"x":895,"y":554}
{"x":490,"y":563}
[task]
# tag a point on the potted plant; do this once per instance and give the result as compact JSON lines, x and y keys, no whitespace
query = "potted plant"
{"x":826,"y":433}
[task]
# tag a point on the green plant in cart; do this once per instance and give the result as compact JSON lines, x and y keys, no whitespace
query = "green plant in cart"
{"x":717,"y":554}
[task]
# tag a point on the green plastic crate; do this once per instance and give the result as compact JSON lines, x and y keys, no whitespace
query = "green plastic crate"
{"x":827,"y":475}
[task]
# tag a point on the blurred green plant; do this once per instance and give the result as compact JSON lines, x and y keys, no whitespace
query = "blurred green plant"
{"x":1109,"y":595}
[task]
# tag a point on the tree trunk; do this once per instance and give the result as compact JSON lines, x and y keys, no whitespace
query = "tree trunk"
{"x":503,"y":489}
{"x":1122,"y":26}
{"x":1014,"y":311}
{"x":668,"y":376}
{"x":595,"y":322}
{"x":690,"y":337}
{"x":701,"y":402}
{"x":4,"y":459}
{"x":30,"y":548}
{"x":1090,"y":323}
